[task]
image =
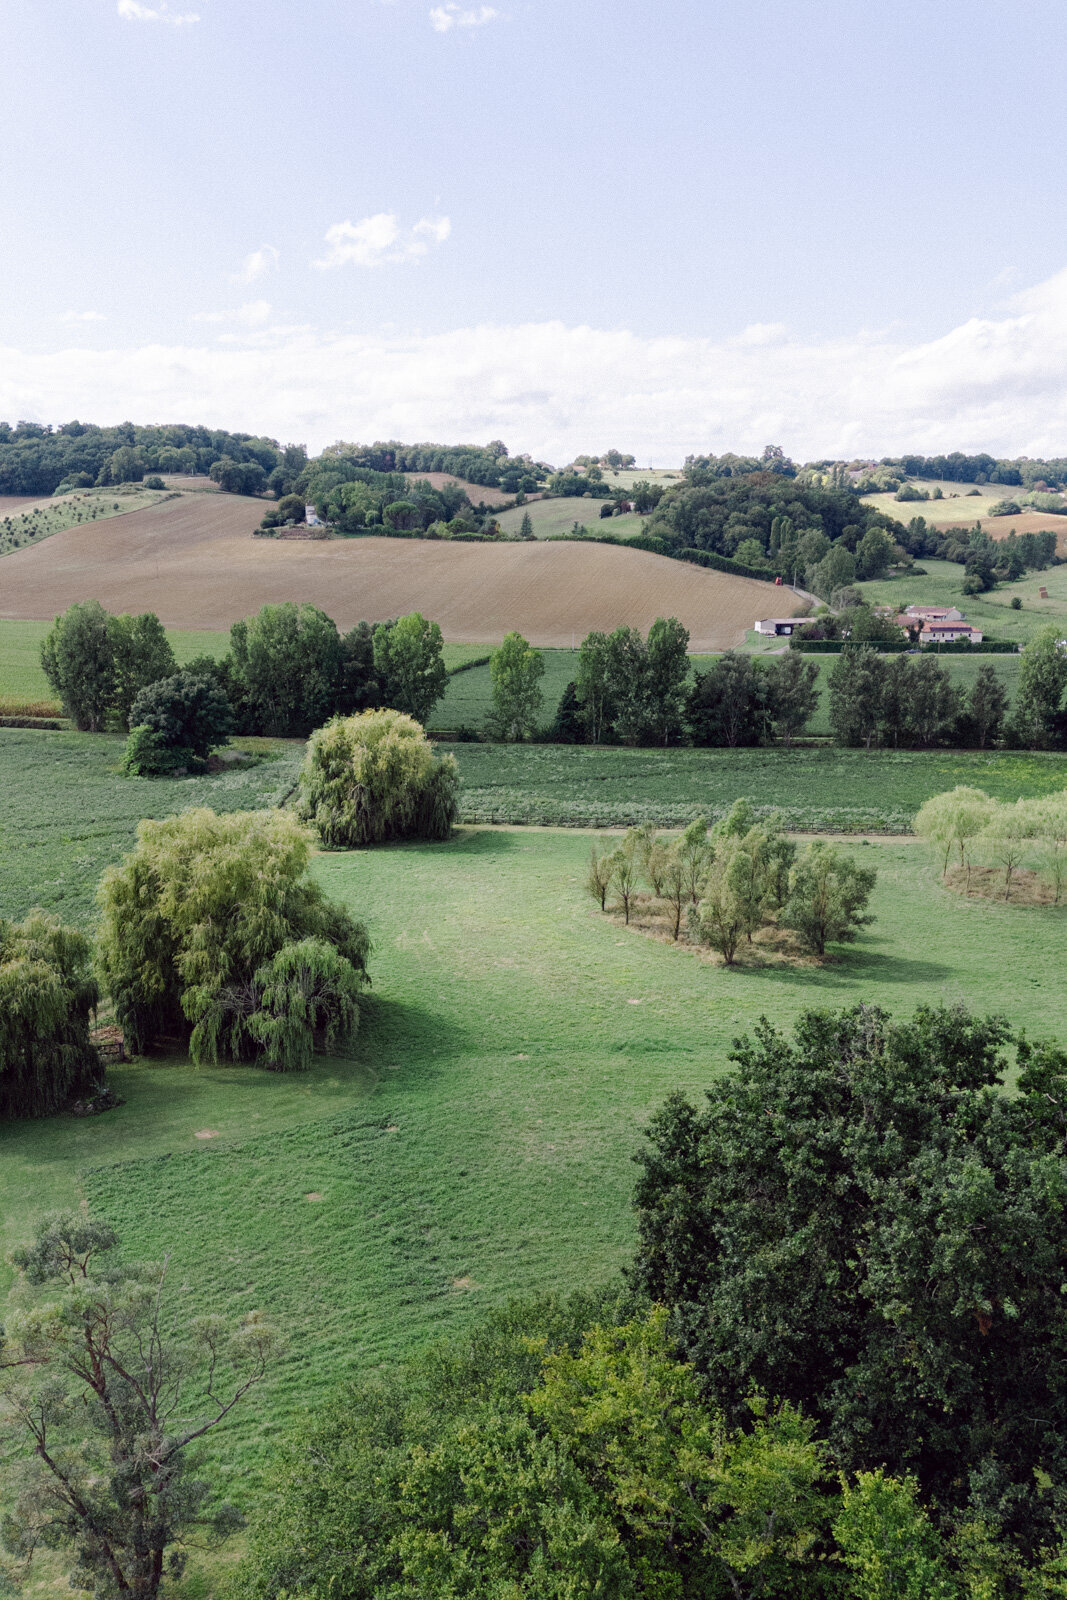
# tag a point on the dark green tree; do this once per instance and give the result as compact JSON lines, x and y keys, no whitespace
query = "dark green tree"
{"x":987,"y":706}
{"x":792,"y":694}
{"x":285,"y":667}
{"x":864,"y":1223}
{"x":185,"y":712}
{"x":857,"y":691}
{"x":668,"y":677}
{"x":1042,"y":679}
{"x":727,"y":704}
{"x":593,"y":685}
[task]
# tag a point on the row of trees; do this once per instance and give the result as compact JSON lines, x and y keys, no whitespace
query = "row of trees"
{"x":288,"y":669}
{"x":727,"y":885}
{"x":902,"y":700}
{"x":969,"y":825}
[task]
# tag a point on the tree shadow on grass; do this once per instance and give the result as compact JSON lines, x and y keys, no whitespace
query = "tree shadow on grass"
{"x":861,"y":964}
{"x":406,"y":1042}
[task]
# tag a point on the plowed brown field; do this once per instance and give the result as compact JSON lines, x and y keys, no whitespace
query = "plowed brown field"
{"x":195,"y":563}
{"x":477,"y":493}
{"x":1029,"y":522}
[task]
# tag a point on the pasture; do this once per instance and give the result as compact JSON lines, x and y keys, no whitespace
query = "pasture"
{"x":477,"y":1140}
{"x":551,"y":518}
{"x":992,"y":612}
{"x":193,"y":561}
{"x":963,"y":504}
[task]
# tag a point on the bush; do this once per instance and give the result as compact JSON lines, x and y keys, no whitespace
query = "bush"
{"x":186,"y":711}
{"x":47,"y":992}
{"x":374,"y":777}
{"x":210,"y":929}
{"x":154,"y":482}
{"x":828,"y":895}
{"x":147,"y":755}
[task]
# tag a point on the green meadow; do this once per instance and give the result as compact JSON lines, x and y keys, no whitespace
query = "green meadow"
{"x":942,"y":585}
{"x":550,"y":518}
{"x":477,"y":1140}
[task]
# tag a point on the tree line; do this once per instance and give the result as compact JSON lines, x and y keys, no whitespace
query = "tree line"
{"x":37,"y":459}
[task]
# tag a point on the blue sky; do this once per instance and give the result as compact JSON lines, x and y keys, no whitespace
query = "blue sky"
{"x":661,"y":227}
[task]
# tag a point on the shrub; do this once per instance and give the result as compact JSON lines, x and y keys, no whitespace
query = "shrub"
{"x":147,"y":755}
{"x":373,"y":777}
{"x":154,"y":482}
{"x":205,"y":932}
{"x":828,"y":896}
{"x":186,"y":711}
{"x":47,"y":992}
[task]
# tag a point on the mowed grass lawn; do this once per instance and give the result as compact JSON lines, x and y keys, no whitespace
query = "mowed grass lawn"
{"x":478,"y":1140}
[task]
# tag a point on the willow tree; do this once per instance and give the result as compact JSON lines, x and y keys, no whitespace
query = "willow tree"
{"x":374,"y":777}
{"x":47,"y":993}
{"x":211,"y":930}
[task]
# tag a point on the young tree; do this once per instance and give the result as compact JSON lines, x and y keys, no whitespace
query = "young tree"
{"x":285,"y":664}
{"x":1050,"y":822}
{"x":1008,"y":833}
{"x":857,"y":690}
{"x":78,"y":657}
{"x":625,"y":873}
{"x":1042,"y":679}
{"x":792,"y":682}
{"x":47,"y":995}
{"x":732,"y":905}
{"x":569,"y":725}
{"x":987,"y":706}
{"x":828,"y":897}
{"x":526,"y":526}
{"x":515,"y":671}
{"x":598,"y":878}
{"x":409,"y":658}
{"x":373,"y":777}
{"x":111,"y":1391}
{"x":676,"y":885}
{"x":197,"y":932}
{"x":142,"y":656}
{"x":696,"y":855}
{"x":953,"y":820}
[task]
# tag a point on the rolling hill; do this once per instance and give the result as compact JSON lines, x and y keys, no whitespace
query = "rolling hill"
{"x":193,"y":561}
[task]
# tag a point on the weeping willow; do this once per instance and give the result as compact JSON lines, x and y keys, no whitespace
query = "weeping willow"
{"x":210,"y":930}
{"x":374,"y":777}
{"x":47,"y":993}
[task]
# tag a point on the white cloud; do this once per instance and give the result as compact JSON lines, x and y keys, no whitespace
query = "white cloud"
{"x":256,"y":264}
{"x":444,"y":18}
{"x":134,"y":11}
{"x":251,"y":315}
{"x":997,"y":384}
{"x":380,"y":241}
{"x":83,"y":316}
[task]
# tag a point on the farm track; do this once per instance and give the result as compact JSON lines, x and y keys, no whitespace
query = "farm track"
{"x":194,"y":562}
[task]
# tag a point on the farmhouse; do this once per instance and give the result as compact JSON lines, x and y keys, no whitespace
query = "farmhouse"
{"x":779,"y":625}
{"x":928,"y":614}
{"x":949,"y":632}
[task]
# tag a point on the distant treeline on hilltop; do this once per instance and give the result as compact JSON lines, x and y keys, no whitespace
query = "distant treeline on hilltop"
{"x":38,"y":460}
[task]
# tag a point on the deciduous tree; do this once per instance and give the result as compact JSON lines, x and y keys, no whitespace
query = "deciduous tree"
{"x":515,"y":671}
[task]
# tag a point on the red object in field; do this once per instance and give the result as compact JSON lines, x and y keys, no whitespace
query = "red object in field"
{"x":778,"y":581}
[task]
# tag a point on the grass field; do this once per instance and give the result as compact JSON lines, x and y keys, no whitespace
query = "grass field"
{"x":959,"y":505}
{"x":21,"y":676}
{"x":551,"y":517}
{"x":68,"y":813}
{"x":991,"y":612}
{"x":478,"y":1140}
{"x":820,"y":790}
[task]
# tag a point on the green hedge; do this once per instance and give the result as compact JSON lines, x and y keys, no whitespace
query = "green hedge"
{"x":708,"y":558}
{"x":964,"y":647}
{"x":834,"y":647}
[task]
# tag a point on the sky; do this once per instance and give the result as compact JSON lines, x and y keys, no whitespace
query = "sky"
{"x":694,"y":225}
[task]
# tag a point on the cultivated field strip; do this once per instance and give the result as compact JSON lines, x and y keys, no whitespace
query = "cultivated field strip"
{"x":194,"y":562}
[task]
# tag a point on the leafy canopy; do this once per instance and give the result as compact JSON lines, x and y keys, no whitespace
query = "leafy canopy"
{"x":374,"y":777}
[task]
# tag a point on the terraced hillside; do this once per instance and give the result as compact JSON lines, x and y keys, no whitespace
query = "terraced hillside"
{"x":193,"y":561}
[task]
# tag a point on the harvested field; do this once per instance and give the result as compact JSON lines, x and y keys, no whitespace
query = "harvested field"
{"x":194,"y":562}
{"x":1029,"y":522}
{"x":477,"y":493}
{"x":16,"y":502}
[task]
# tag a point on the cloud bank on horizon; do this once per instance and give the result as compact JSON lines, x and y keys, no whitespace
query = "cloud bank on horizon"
{"x":997,"y":384}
